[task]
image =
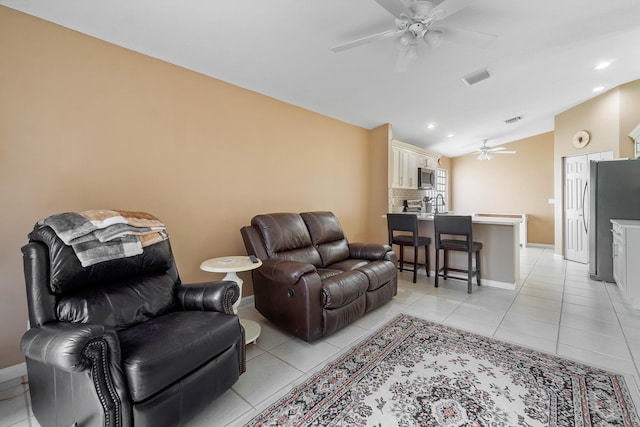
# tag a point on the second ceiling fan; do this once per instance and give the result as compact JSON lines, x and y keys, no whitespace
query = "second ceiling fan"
{"x":419,"y":20}
{"x":486,"y":153}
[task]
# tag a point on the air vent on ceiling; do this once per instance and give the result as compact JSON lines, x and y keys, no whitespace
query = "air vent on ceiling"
{"x":476,"y":77}
{"x":512,"y":120}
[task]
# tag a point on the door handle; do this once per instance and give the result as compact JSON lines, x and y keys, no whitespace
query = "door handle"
{"x":584,"y":217}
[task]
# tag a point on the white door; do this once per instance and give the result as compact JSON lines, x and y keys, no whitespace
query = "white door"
{"x":576,"y":204}
{"x":576,"y":179}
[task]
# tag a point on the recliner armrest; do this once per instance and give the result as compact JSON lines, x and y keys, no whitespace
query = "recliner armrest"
{"x":286,"y":272}
{"x":63,"y":345}
{"x":208,"y":296}
{"x":369,"y":251}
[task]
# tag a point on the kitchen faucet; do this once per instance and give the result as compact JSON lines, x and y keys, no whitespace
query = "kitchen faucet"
{"x":436,"y":202}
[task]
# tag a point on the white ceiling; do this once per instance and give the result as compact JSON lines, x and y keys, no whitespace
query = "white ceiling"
{"x":542,"y":62}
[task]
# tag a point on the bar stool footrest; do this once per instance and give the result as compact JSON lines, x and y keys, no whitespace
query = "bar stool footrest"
{"x":457,"y":270}
{"x":411,"y":269}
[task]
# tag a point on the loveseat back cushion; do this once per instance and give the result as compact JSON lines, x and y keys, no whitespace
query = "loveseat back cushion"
{"x":286,"y":237}
{"x":327,"y":236}
{"x":349,"y":264}
{"x":121,"y":304}
{"x":66,"y":274}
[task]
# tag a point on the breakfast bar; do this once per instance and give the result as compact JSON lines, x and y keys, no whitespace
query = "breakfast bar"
{"x":500,"y":256}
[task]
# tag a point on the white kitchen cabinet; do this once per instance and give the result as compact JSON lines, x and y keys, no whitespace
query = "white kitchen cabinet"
{"x":431,"y":162}
{"x":626,"y":253}
{"x":405,"y":169}
{"x":411,"y":170}
{"x":396,"y":168}
{"x":406,"y":159}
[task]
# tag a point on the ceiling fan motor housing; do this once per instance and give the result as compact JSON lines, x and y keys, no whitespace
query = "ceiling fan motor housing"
{"x":421,"y":9}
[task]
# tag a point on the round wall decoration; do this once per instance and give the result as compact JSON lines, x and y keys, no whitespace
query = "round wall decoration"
{"x":581,"y":139}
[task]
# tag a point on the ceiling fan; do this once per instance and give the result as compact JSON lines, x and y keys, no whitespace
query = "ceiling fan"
{"x":419,"y":20}
{"x":486,"y":153}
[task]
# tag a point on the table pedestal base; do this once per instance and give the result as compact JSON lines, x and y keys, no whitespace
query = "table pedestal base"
{"x":251,"y":330}
{"x":230,"y":265}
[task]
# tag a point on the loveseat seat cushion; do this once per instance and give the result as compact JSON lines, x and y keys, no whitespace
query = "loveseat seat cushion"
{"x":327,"y":235}
{"x":379,"y":273}
{"x":286,"y":237}
{"x":342,"y":289}
{"x":160,"y":351}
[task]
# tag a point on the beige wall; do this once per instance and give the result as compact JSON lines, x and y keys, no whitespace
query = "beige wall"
{"x":509,"y":183}
{"x":379,"y":144}
{"x":629,"y":116}
{"x":85,"y":124}
{"x":608,"y":118}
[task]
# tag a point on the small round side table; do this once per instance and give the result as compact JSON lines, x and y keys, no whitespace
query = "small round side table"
{"x":231,"y":265}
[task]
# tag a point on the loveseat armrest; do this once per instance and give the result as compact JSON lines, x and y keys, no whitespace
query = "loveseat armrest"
{"x":285,"y":272}
{"x":208,"y":296}
{"x":66,"y":346}
{"x":370,"y":251}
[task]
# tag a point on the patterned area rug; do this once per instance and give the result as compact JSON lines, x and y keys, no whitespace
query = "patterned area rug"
{"x":416,"y":373}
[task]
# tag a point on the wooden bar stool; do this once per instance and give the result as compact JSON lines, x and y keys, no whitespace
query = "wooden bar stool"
{"x":408,"y":223}
{"x":461,"y":226}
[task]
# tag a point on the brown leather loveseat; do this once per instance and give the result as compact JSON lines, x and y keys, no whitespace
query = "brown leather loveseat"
{"x":313,"y":281}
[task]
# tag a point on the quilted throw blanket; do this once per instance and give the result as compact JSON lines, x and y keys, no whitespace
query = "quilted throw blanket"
{"x":102,"y":235}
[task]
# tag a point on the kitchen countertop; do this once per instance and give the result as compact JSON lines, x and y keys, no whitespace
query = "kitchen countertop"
{"x":500,"y":237}
{"x":493,"y":220}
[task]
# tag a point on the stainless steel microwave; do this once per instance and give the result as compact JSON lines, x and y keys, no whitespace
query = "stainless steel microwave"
{"x":426,"y":179}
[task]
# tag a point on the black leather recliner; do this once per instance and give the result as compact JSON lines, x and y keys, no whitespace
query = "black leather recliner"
{"x":123,"y":342}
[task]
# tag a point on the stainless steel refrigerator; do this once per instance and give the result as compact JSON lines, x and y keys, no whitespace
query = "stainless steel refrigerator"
{"x":614,"y":193}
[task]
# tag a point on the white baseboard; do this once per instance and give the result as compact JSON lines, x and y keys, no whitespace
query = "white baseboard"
{"x":12,"y":372}
{"x":540,"y":245}
{"x":487,"y":282}
{"x":247,"y":300}
{"x":496,"y":284}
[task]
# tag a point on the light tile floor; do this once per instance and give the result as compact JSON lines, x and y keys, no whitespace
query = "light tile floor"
{"x":555,"y":308}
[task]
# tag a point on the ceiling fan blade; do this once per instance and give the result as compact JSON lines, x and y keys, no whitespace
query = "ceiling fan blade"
{"x":395,"y":7}
{"x":472,"y":38}
{"x":448,"y":8}
{"x":504,"y":152}
{"x":369,"y":39}
{"x":404,"y":58}
{"x":495,"y":149}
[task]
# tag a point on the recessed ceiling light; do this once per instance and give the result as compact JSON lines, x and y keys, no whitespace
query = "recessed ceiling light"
{"x":431,"y":126}
{"x":598,"y":88}
{"x":603,"y":65}
{"x":450,"y":135}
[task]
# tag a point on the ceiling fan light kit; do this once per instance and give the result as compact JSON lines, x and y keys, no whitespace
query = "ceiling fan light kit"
{"x":404,"y":41}
{"x":433,"y":38}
